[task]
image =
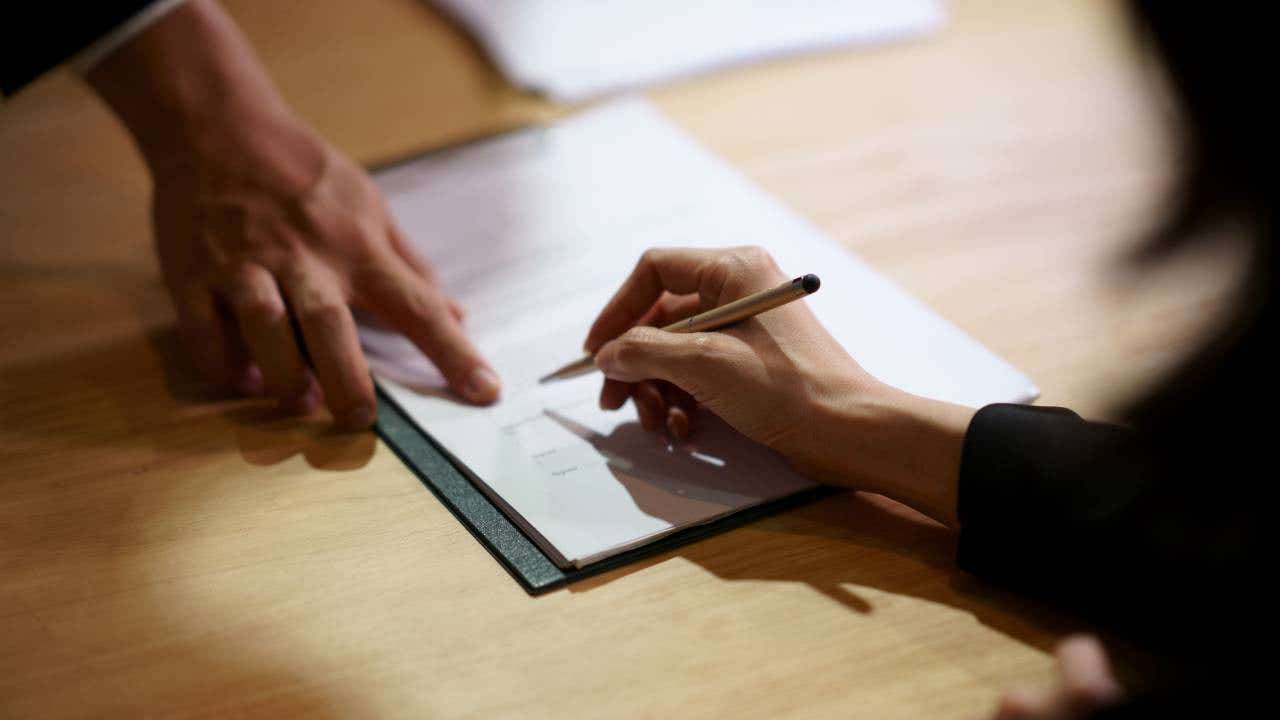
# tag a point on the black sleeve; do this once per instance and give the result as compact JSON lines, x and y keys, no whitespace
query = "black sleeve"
{"x":1103,"y":522}
{"x":41,"y":35}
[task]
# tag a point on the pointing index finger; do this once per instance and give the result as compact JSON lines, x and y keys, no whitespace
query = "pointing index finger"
{"x":407,"y":302}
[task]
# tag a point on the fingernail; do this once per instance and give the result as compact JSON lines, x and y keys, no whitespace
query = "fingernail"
{"x":482,"y":386}
{"x":677,"y":424}
{"x":359,"y":417}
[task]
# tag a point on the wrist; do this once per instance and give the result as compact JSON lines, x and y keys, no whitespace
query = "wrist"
{"x":900,"y":445}
{"x":278,"y":155}
{"x":189,"y":87}
{"x":208,"y":134}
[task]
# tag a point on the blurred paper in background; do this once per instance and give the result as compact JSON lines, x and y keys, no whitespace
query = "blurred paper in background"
{"x":574,"y":49}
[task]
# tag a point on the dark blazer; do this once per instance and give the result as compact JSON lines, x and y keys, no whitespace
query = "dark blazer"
{"x":41,"y":35}
{"x":1154,"y":532}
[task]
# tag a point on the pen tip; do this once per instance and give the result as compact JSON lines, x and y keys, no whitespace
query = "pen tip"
{"x":811,"y":283}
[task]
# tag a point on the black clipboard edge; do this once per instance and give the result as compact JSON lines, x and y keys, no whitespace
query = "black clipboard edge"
{"x":508,"y":544}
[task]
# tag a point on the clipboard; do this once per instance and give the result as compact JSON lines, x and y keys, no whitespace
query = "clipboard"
{"x":864,"y":311}
{"x":518,"y":554}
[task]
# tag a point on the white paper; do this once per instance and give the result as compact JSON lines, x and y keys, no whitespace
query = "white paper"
{"x":532,"y":233}
{"x":572,"y":49}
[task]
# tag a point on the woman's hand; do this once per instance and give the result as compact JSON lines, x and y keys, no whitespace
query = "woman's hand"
{"x":774,"y":377}
{"x":261,"y":225}
{"x":778,"y":378}
{"x":1086,"y":685}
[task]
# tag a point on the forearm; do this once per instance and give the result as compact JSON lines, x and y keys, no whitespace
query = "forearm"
{"x":189,"y":85}
{"x":265,"y":233}
{"x":900,"y":445}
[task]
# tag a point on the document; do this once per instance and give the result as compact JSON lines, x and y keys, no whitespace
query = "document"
{"x":574,"y":49}
{"x":532,"y":232}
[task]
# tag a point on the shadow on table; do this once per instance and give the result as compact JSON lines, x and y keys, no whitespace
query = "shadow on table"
{"x":852,"y":540}
{"x":265,"y":434}
{"x":133,"y":392}
{"x":834,"y":545}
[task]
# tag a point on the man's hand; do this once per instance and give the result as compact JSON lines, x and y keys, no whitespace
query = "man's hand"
{"x":262,"y":228}
{"x":297,"y":234}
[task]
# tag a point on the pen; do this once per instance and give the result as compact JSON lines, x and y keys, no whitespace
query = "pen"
{"x":714,"y":318}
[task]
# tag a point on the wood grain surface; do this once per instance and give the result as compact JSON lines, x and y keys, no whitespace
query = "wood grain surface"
{"x":166,"y":552}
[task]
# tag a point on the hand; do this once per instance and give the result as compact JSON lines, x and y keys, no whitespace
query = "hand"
{"x":778,"y":378}
{"x":771,"y":377}
{"x":260,"y":224}
{"x":285,"y":229}
{"x":1086,"y":686}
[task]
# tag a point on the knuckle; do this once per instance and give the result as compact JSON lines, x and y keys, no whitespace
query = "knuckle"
{"x":263,"y":309}
{"x":254,"y":299}
{"x":374,"y":278}
{"x":271,"y":232}
{"x":235,"y":233}
{"x":363,"y":242}
{"x":725,"y":275}
{"x":725,"y":266}
{"x":283,"y":251}
{"x":634,"y":343}
{"x":757,"y":259}
{"x":713,"y":347}
{"x":649,"y":257}
{"x":429,"y":307}
{"x":743,"y":270}
{"x":295,"y":275}
{"x":326,"y":313}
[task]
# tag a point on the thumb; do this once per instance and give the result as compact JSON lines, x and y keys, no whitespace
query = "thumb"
{"x":686,"y":360}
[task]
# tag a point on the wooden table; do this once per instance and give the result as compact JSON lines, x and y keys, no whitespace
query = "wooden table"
{"x":165,"y":552}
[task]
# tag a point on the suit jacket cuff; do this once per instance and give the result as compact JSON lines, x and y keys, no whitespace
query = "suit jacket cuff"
{"x":86,"y":59}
